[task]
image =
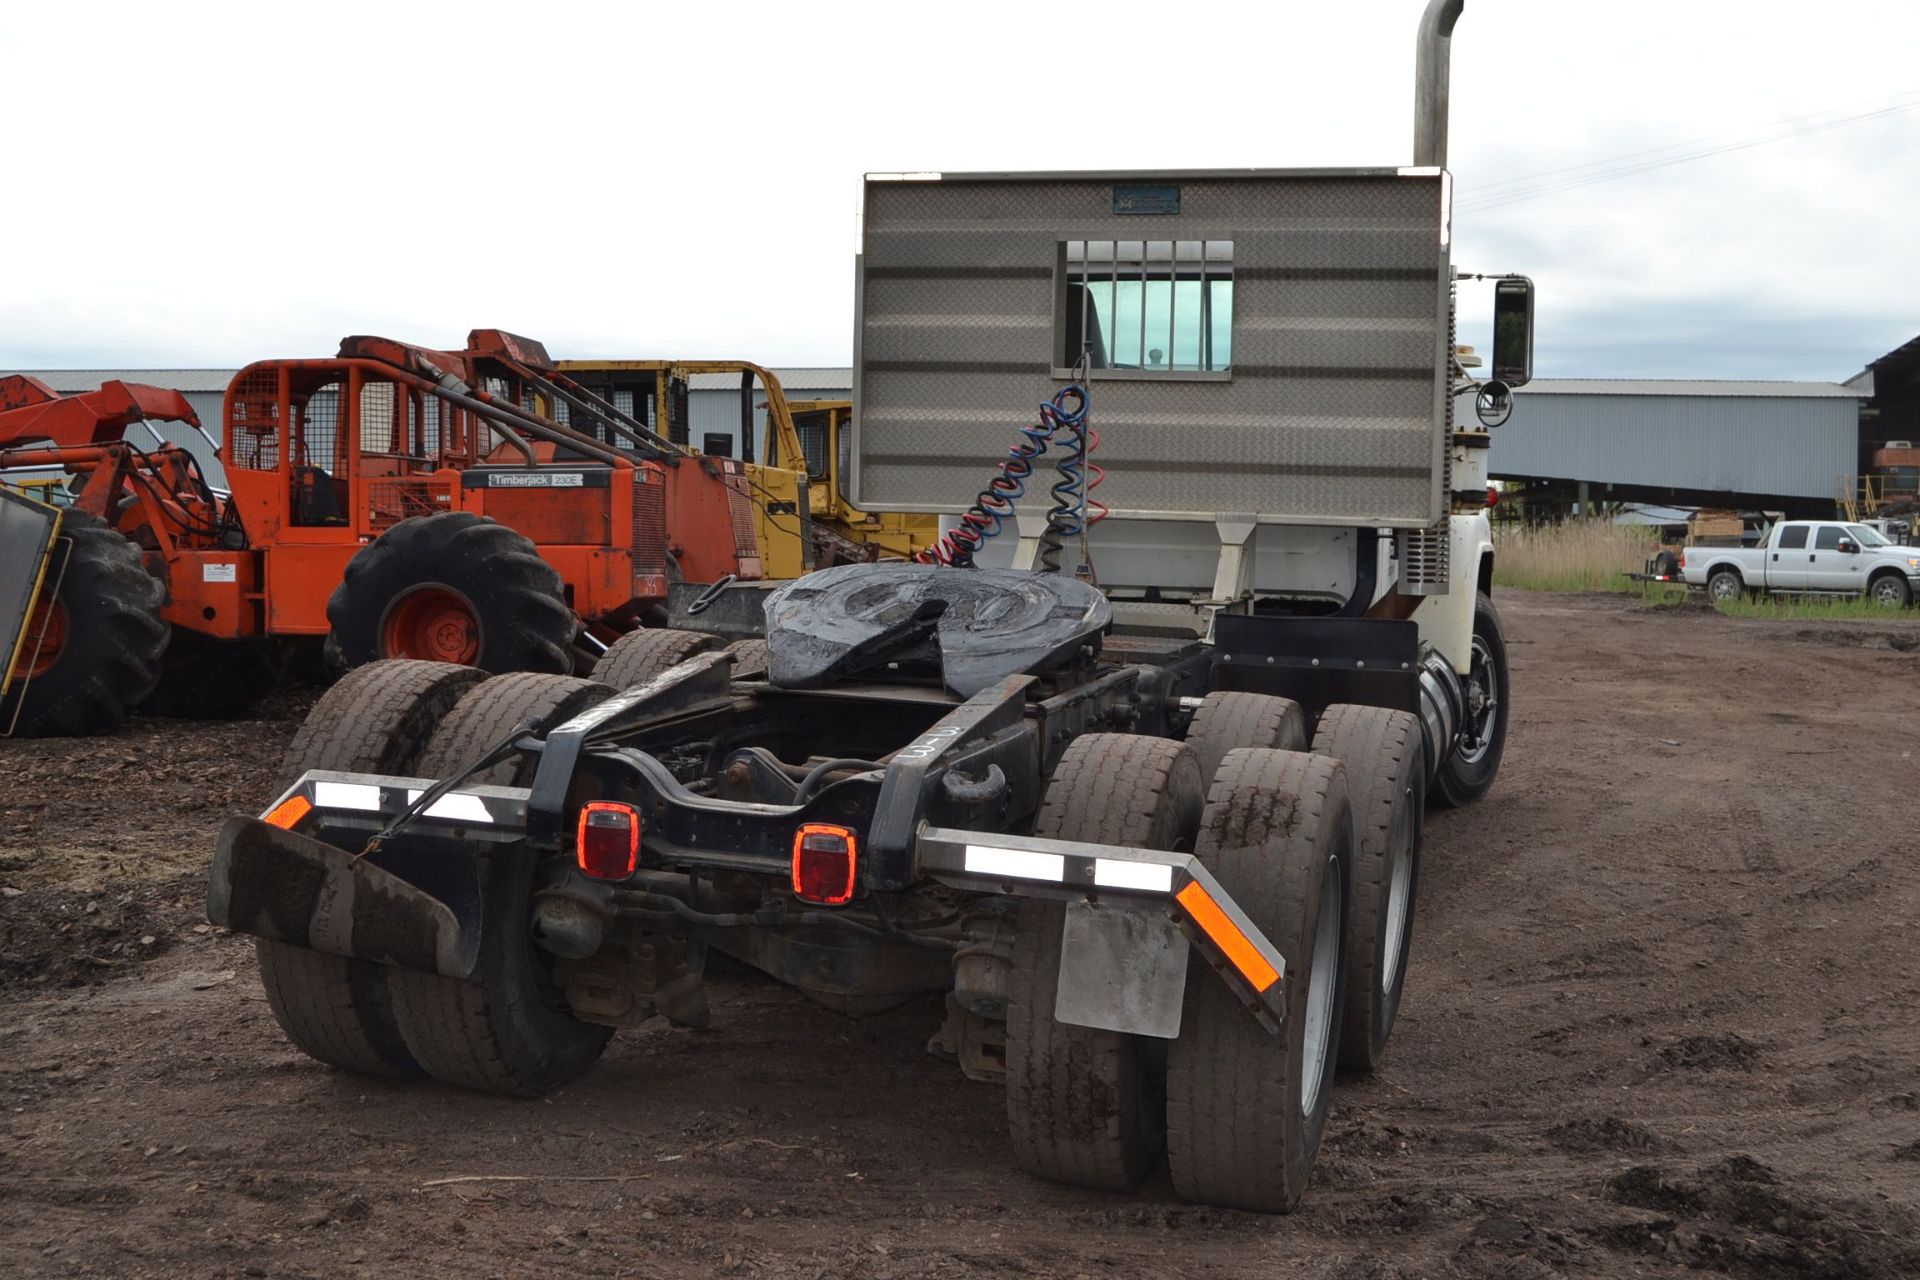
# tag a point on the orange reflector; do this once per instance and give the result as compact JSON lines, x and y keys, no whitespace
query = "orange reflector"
{"x":1226,"y":935}
{"x":288,"y":812}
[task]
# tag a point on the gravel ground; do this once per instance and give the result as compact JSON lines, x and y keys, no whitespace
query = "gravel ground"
{"x":1661,"y":1021}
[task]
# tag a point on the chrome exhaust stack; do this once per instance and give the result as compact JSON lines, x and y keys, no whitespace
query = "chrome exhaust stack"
{"x":1432,"y":61}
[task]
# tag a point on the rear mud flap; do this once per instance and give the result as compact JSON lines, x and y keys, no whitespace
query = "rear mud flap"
{"x":1121,"y":971}
{"x":290,"y":888}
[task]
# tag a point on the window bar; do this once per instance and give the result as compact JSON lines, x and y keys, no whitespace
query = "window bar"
{"x":1086,"y":304}
{"x":1202,"y":357}
{"x":1113,"y":299}
{"x":1173,"y":297}
{"x":1141,"y":363}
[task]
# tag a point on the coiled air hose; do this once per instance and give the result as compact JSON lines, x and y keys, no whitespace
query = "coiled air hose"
{"x":1063,"y":416}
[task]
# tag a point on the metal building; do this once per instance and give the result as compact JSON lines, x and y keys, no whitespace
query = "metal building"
{"x":1776,"y":445}
{"x":713,"y":405}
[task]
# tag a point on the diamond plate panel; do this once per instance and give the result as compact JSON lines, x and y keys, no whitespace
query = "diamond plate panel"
{"x":1334,"y":410}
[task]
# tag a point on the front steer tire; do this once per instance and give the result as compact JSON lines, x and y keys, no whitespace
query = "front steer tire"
{"x":1467,"y":771}
{"x":1246,"y":1108}
{"x":507,"y":1029}
{"x":1086,"y":1106}
{"x":375,"y":720}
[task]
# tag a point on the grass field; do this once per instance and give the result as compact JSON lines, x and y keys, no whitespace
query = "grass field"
{"x":1588,"y":555}
{"x":1580,"y":555}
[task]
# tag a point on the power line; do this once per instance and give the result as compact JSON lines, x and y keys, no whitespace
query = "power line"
{"x":1546,"y":184}
{"x":1883,"y":101}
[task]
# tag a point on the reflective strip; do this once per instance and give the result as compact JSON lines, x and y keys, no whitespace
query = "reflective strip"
{"x":288,"y":812}
{"x":1115,"y":873}
{"x":1233,"y":944}
{"x":986,"y":860}
{"x":346,"y":795}
{"x":455,"y":806}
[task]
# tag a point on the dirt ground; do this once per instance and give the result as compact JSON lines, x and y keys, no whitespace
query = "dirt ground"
{"x":1663,"y":1019}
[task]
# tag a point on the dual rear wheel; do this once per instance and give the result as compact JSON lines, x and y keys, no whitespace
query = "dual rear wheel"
{"x":1321,"y":850}
{"x":505,"y":1030}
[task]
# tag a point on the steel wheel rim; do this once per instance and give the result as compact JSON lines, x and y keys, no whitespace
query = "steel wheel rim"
{"x":1725,"y":588}
{"x":1886,"y":593}
{"x":432,"y":622}
{"x":51,"y":615}
{"x":1399,"y":897}
{"x":1317,"y":1033}
{"x":1483,"y":702}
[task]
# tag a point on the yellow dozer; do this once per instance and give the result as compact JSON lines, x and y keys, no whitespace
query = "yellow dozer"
{"x":791,"y":448}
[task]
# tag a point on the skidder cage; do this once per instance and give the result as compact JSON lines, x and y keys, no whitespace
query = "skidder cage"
{"x":1264,"y":342}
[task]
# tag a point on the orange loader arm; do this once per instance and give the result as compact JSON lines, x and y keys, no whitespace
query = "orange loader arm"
{"x":32,"y":411}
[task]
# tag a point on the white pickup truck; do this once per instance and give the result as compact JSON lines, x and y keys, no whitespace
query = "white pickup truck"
{"x":1809,"y":557}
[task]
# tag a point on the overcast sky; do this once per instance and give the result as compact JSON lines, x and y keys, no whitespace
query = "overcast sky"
{"x":199,"y":184}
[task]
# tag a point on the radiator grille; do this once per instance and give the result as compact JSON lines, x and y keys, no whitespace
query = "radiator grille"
{"x":1425,"y":560}
{"x":649,"y":523}
{"x":746,"y":538}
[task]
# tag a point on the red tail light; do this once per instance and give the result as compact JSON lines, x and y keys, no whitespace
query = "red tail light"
{"x":608,"y":841}
{"x":1493,"y":496}
{"x":825,"y":863}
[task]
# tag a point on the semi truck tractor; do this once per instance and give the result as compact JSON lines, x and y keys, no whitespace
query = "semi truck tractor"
{"x":1131,"y":795}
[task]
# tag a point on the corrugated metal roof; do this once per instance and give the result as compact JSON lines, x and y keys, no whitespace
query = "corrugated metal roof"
{"x":64,"y":380}
{"x":811,"y":379}
{"x":1684,"y":387}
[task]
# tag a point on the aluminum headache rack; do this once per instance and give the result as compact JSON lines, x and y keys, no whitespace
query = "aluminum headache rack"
{"x":1126,"y":965}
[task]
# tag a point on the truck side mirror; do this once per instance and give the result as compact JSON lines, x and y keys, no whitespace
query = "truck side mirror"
{"x":1849,"y":546}
{"x":1513,"y":330}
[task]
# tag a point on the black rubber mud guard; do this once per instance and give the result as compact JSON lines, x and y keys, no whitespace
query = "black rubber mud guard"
{"x":277,"y":884}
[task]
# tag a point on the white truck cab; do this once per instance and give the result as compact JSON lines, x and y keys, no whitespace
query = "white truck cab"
{"x":1809,"y":557}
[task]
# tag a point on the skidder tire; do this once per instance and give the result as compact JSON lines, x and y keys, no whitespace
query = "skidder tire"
{"x":1229,"y":720}
{"x":453,"y":587}
{"x":1468,"y":771}
{"x":506,"y":1030}
{"x":376,"y":720}
{"x":1382,"y":752}
{"x":1245,"y":1109}
{"x":639,"y":656}
{"x":103,"y":647}
{"x":1087,"y":1106}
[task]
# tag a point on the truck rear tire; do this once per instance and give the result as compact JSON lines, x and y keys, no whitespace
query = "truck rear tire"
{"x":749,"y":658}
{"x":1468,"y":771}
{"x":102,"y":642}
{"x":1246,"y":1108}
{"x":1384,"y":759}
{"x":507,"y":1029}
{"x":452,"y":587}
{"x":640,"y":655}
{"x":1086,"y":1106}
{"x":1227,"y":721}
{"x":375,"y":720}
{"x":1725,"y":586}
